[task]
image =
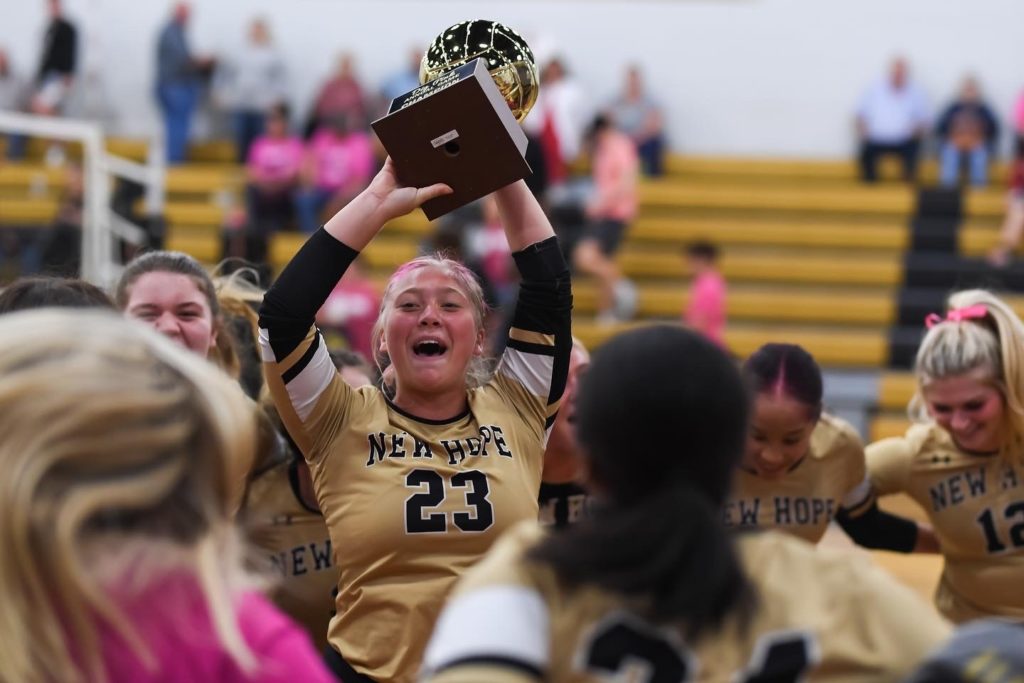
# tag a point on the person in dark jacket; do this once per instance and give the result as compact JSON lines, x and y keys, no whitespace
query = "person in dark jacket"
{"x":967,"y":132}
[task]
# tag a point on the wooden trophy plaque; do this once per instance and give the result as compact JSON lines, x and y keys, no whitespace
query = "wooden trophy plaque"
{"x":458,"y":130}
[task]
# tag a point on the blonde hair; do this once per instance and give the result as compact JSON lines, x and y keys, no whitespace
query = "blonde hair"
{"x":993,"y":343}
{"x":117,"y":445}
{"x":237,"y":343}
{"x":480,"y":369}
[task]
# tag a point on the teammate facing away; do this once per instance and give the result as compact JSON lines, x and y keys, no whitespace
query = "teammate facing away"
{"x":803,"y":467}
{"x":652,"y":581}
{"x":120,"y":560}
{"x":964,"y":462}
{"x":416,"y":484}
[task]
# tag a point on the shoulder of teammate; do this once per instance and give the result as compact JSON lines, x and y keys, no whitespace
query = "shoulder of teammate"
{"x":469,"y":643}
{"x":835,"y":438}
{"x":855,"y":609}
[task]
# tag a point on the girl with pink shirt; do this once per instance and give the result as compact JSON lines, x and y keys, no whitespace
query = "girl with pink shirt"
{"x":121,"y":562}
{"x":705,"y":310}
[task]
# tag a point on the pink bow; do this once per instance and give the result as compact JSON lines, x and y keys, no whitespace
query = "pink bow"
{"x":957,"y":315}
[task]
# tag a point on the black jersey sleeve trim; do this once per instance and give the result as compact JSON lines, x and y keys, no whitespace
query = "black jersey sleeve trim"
{"x":545,"y":306}
{"x":879,"y":530}
{"x":300,"y":365}
{"x":496,"y":661}
{"x":527,"y":347}
{"x":290,"y":305}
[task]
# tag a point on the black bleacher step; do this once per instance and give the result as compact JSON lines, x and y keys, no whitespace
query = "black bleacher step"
{"x":916,"y":303}
{"x":935,"y":234}
{"x":951,"y":271}
{"x":939,"y":203}
{"x":903,"y":343}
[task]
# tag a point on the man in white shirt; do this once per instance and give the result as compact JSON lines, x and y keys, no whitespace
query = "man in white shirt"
{"x":891,"y":119}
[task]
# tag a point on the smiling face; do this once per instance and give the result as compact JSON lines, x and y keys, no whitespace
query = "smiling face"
{"x":780,"y":434}
{"x":432,"y":331}
{"x":969,"y":408}
{"x":174,"y":305}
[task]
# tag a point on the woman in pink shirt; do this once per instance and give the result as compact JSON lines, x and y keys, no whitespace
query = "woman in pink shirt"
{"x":338,"y":165}
{"x":120,"y":560}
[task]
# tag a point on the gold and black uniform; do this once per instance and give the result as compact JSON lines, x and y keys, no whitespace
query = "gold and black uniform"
{"x":293,"y":540}
{"x":975,"y":504}
{"x":820,"y":616}
{"x":830,"y":477}
{"x":412,"y":503}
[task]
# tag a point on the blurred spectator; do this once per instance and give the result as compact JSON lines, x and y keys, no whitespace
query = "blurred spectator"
{"x":249,"y":84}
{"x":338,"y":165}
{"x":57,"y":65}
{"x":1013,"y":222}
{"x":351,"y":309}
{"x":1018,"y":124}
{"x":891,"y":119}
{"x":13,"y":97}
{"x":178,"y":82}
{"x":609,"y":210}
{"x":559,"y":119}
{"x":272,"y":171}
{"x":705,"y":309}
{"x":639,"y":117}
{"x":404,"y":80}
{"x":62,"y":245}
{"x":341,"y":95}
{"x":967,"y":130}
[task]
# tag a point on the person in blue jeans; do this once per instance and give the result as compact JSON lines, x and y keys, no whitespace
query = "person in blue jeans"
{"x":967,"y":131}
{"x":178,"y":82}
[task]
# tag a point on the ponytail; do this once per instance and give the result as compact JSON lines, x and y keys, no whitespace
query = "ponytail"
{"x":670,"y":549}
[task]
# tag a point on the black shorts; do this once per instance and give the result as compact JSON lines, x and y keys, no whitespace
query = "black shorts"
{"x":607,"y":232}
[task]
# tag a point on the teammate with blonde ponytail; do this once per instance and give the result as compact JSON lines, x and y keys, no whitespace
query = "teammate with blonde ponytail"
{"x":964,"y":460}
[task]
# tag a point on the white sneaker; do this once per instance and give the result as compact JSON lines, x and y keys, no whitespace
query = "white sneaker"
{"x":625,"y":299}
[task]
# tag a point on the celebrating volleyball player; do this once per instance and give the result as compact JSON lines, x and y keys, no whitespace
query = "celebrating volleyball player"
{"x":652,"y":586}
{"x":803,"y":467}
{"x":417,"y":483}
{"x":964,"y":462}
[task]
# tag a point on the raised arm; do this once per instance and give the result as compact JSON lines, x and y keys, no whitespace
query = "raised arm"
{"x":522,"y":217}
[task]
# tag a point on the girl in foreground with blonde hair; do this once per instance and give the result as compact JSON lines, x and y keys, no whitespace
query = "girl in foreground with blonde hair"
{"x":964,"y":462}
{"x":120,"y":562}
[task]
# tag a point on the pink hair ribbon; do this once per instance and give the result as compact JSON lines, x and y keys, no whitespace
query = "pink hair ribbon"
{"x":957,"y":315}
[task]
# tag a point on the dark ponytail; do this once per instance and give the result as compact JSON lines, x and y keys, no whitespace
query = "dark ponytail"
{"x":661,"y":417}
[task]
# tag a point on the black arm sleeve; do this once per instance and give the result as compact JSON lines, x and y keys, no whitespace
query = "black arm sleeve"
{"x":545,"y":306}
{"x":879,"y":530}
{"x":290,"y":305}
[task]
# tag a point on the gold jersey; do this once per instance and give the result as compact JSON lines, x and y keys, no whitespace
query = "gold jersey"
{"x":820,"y":616}
{"x":976,"y":505}
{"x":413,"y":503}
{"x":805,"y":499}
{"x":296,"y":548}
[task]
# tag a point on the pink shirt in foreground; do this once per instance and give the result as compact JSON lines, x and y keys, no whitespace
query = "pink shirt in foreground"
{"x":173,"y":620}
{"x":706,"y":310}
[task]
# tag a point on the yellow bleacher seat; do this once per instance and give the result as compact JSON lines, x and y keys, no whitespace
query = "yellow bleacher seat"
{"x":895,"y":389}
{"x":892,"y":234}
{"x":887,"y":425}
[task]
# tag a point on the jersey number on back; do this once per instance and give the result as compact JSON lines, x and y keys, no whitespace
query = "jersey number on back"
{"x":624,"y":642}
{"x":479,"y":514}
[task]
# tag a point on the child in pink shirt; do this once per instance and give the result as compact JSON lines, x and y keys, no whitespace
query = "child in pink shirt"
{"x":705,"y":311}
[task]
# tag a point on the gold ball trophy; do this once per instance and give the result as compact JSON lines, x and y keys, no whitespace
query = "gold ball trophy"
{"x":461,"y":126}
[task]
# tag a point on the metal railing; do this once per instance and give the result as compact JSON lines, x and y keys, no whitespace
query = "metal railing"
{"x":101,"y":227}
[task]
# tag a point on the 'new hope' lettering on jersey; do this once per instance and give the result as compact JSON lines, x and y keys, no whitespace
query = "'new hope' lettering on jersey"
{"x":805,"y":499}
{"x":298,"y":550}
{"x":976,"y":505}
{"x":821,"y":616}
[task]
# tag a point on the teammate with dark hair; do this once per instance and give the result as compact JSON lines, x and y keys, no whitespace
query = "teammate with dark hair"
{"x":652,"y":583}
{"x":46,"y":292}
{"x":803,"y":467}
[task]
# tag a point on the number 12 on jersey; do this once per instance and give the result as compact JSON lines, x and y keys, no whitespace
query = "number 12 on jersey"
{"x":471,"y":484}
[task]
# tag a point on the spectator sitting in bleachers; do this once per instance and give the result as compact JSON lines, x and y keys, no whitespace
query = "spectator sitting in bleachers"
{"x":272,"y":171}
{"x":13,"y":97}
{"x":891,"y":119}
{"x":341,"y":95}
{"x":967,"y":130}
{"x":1018,"y":124}
{"x":1013,"y":223}
{"x":639,"y":116}
{"x":338,"y":165}
{"x":249,"y":84}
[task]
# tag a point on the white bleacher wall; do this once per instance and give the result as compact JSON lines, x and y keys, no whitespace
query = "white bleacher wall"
{"x":737,"y":77}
